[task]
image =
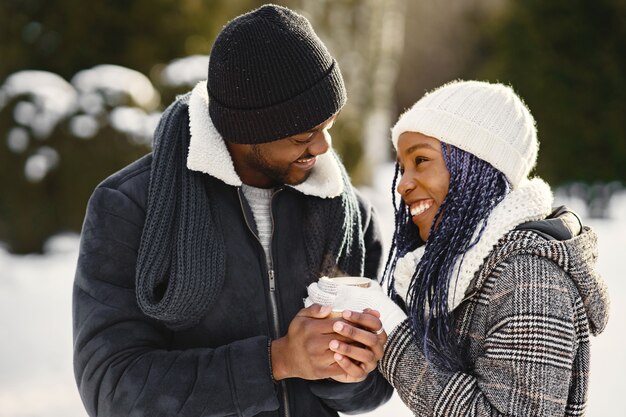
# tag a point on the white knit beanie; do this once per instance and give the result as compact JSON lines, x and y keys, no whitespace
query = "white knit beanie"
{"x":487,"y":120}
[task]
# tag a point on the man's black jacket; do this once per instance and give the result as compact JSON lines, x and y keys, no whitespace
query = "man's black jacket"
{"x":127,"y":364}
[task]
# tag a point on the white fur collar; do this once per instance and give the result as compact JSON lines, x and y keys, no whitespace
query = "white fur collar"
{"x":208,"y":153}
{"x":532,"y":200}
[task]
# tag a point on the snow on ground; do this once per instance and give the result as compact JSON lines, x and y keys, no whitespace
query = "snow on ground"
{"x":36,"y":378}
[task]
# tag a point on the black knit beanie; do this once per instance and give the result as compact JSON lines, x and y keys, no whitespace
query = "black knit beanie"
{"x":270,"y":77}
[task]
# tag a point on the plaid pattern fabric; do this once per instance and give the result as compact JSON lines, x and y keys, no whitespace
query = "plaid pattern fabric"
{"x":527,"y":329}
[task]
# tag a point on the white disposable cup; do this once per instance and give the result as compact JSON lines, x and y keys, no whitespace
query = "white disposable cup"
{"x":352,"y":281}
{"x":362,"y":282}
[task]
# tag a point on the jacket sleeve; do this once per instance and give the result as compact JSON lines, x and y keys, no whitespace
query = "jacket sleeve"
{"x":374,"y":391}
{"x":355,"y":398}
{"x":122,"y":362}
{"x":526,"y":361}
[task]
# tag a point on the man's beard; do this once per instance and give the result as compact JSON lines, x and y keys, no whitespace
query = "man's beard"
{"x":277,"y":174}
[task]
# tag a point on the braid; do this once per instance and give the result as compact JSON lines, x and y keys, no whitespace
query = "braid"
{"x":405,"y":239}
{"x":475,"y":188}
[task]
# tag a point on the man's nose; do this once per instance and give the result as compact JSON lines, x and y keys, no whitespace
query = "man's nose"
{"x":320,"y":144}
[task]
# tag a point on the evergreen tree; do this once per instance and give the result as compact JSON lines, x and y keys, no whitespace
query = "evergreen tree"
{"x":64,"y":37}
{"x":567,"y":59}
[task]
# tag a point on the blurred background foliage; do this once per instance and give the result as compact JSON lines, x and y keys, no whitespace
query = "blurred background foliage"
{"x":82,"y":86}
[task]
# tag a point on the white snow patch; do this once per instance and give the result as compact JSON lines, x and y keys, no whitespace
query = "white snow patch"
{"x":40,"y":163}
{"x":185,"y":72}
{"x":46,"y":99}
{"x":117,"y":84}
{"x":135,"y":123}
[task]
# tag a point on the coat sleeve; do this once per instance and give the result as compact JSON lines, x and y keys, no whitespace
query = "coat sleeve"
{"x":122,"y":361}
{"x":526,"y":361}
{"x":355,"y":398}
{"x":374,"y":391}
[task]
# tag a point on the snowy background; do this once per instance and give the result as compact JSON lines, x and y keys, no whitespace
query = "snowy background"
{"x":36,"y":377}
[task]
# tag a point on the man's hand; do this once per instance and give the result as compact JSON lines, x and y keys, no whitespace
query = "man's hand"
{"x":358,"y":359}
{"x":305,"y":351}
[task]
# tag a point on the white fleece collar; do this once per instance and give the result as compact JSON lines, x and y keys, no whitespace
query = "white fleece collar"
{"x":532,"y":200}
{"x":208,"y":153}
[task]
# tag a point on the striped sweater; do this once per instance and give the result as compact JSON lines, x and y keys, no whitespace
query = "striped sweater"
{"x":526,"y":321}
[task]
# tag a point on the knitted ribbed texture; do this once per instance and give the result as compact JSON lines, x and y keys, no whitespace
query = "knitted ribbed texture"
{"x":181,"y":245}
{"x":336,"y":242}
{"x":531,"y":201}
{"x":269,"y":68}
{"x":353,"y":298}
{"x":487,"y":120}
{"x":181,"y":261}
{"x":260,"y":200}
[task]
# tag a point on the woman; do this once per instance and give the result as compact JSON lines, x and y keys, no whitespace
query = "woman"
{"x":496,"y":313}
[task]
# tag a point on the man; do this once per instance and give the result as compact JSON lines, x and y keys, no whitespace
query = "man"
{"x":194,"y":260}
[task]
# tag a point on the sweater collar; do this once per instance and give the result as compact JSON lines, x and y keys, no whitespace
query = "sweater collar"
{"x":208,"y":153}
{"x":532,"y":200}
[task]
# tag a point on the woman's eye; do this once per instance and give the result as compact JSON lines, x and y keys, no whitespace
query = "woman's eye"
{"x":419,"y":160}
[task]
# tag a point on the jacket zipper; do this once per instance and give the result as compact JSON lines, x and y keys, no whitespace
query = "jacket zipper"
{"x":272,"y":288}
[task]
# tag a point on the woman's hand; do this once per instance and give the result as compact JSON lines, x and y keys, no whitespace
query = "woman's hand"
{"x":360,"y":358}
{"x":368,"y":316}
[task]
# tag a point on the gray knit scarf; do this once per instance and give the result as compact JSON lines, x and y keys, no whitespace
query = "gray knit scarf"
{"x":181,"y":262}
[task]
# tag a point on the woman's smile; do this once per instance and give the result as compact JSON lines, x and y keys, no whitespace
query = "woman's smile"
{"x":425,"y":178}
{"x":419,"y":207}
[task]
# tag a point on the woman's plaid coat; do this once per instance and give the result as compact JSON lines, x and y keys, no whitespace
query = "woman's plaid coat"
{"x":526,"y":321}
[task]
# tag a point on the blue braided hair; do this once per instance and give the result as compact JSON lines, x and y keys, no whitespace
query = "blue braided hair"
{"x":475,"y":188}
